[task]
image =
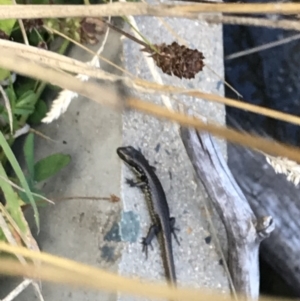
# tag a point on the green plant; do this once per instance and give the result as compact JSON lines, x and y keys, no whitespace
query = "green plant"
{"x":30,"y":194}
{"x":11,"y":198}
{"x":40,"y":170}
{"x":24,"y":105}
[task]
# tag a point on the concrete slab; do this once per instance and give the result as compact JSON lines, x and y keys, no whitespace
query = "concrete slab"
{"x":197,"y":263}
{"x":82,"y":230}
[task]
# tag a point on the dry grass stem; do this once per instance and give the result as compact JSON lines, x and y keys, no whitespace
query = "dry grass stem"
{"x":22,"y":189}
{"x":38,"y":133}
{"x":263,"y":47}
{"x":260,"y":22}
{"x":9,"y":237}
{"x":62,"y":270}
{"x":71,"y":65}
{"x":109,"y":96}
{"x":147,"y":86}
{"x":24,"y":238}
{"x":51,"y":59}
{"x":21,"y":24}
{"x":88,"y":277}
{"x":112,"y":198}
{"x":143,"y":9}
{"x":12,"y":241}
{"x":153,"y":69}
{"x":30,"y":243}
{"x":102,"y":58}
{"x":252,"y":141}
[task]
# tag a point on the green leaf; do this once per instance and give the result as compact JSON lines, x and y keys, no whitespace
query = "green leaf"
{"x":18,"y":171}
{"x":28,"y":97}
{"x":23,"y":85}
{"x":29,"y":154}
{"x":25,"y":110}
{"x":39,"y":112}
{"x":11,"y":95}
{"x":24,"y":197}
{"x":47,"y":167}
{"x":12,"y":201}
{"x":25,"y":104}
{"x":4,"y":74}
{"x":7,"y":25}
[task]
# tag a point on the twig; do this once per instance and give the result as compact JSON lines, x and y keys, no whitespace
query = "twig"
{"x":113,"y":198}
{"x":244,"y":231}
{"x":87,"y":50}
{"x":225,"y":82}
{"x":9,"y":237}
{"x":13,"y":242}
{"x":142,"y":9}
{"x":38,"y":133}
{"x":8,"y":108}
{"x":126,"y":34}
{"x":260,"y":22}
{"x":71,"y":65}
{"x":90,"y":90}
{"x":65,"y":271}
{"x":20,"y":288}
{"x":22,"y":189}
{"x":166,"y":100}
{"x":38,"y":290}
{"x":53,"y":59}
{"x":262,"y":47}
{"x":21,"y":24}
{"x":248,"y":140}
{"x":110,"y":97}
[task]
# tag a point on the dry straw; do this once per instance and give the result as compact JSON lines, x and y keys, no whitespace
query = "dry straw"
{"x":285,"y":166}
{"x":62,"y":270}
{"x":111,"y":98}
{"x":143,"y":9}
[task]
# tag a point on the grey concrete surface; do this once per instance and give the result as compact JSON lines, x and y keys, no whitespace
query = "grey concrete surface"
{"x":108,"y":235}
{"x":81,"y":230}
{"x":197,"y":263}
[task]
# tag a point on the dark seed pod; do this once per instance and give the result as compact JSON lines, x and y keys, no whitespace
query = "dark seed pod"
{"x":177,"y":59}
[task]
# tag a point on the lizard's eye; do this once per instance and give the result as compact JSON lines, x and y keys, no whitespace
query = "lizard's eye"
{"x":143,"y":178}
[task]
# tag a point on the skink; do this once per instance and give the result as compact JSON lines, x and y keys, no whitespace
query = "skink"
{"x":162,"y":224}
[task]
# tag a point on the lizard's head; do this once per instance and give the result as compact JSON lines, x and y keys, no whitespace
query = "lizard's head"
{"x":131,"y":156}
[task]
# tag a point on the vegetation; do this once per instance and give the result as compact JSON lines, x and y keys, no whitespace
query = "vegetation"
{"x":22,"y":107}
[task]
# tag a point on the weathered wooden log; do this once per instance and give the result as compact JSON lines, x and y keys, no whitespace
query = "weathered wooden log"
{"x":268,"y":192}
{"x":244,"y":231}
